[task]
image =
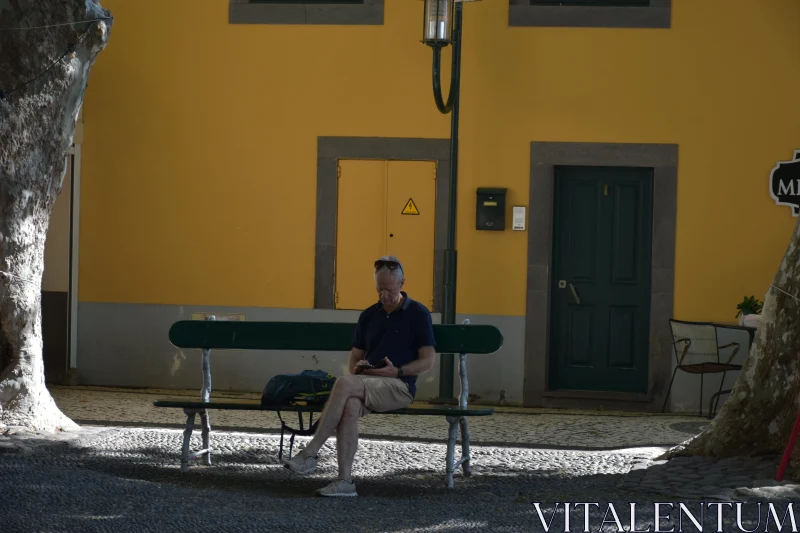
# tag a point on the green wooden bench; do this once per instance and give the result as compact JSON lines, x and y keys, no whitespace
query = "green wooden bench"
{"x":212,"y":334}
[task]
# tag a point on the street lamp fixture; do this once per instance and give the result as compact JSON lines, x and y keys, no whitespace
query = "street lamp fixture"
{"x":438,"y":28}
{"x":442,"y":27}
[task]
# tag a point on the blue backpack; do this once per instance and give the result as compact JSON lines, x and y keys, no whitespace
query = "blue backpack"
{"x":310,"y":386}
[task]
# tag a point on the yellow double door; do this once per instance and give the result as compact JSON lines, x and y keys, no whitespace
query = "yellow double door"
{"x":384,"y":208}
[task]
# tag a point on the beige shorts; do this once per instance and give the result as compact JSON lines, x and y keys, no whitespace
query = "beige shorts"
{"x":384,"y":394}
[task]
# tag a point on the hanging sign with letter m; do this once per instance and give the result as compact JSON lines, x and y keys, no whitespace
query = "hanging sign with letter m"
{"x":784,"y":183}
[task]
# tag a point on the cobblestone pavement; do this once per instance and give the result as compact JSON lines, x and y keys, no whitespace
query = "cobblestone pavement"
{"x":113,"y":478}
{"x":724,"y":479}
{"x":522,"y":427}
{"x":128,"y":480}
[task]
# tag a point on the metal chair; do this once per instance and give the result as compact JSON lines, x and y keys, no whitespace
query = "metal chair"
{"x":699,"y":354}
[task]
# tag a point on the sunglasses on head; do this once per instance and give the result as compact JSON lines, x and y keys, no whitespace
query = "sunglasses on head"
{"x":391,"y":265}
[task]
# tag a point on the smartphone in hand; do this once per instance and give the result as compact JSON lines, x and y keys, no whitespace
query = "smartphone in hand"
{"x":361,"y":365}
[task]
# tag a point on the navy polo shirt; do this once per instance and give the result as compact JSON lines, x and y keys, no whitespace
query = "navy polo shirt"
{"x":398,"y":335}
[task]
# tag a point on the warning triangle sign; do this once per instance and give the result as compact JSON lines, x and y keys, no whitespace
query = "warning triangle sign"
{"x":410,"y":208}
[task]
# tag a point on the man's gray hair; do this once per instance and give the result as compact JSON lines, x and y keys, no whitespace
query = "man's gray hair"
{"x":398,"y":273}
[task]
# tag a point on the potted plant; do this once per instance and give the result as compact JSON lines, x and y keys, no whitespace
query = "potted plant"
{"x":749,"y":311}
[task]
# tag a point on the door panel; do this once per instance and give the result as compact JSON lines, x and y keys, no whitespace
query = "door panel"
{"x":583,"y":238}
{"x":410,"y":237}
{"x":360,"y":231}
{"x":626,"y":233}
{"x":622,"y":337}
{"x":602,"y":231}
{"x":580,"y":323}
{"x":371,"y":198}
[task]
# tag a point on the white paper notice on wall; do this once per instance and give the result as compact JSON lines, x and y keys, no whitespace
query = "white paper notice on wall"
{"x":518,"y":220}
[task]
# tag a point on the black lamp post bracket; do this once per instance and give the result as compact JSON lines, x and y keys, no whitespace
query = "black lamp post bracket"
{"x":437,"y":81}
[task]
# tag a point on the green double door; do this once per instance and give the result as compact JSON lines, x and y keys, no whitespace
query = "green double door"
{"x":600,"y":303}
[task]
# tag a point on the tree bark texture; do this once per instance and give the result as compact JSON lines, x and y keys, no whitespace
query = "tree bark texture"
{"x":759,"y":414}
{"x":47,"y":48}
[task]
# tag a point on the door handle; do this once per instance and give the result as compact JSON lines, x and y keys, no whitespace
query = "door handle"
{"x":574,"y":294}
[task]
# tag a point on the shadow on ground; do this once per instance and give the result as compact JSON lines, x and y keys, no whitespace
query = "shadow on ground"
{"x":258,"y":472}
{"x":130,"y":480}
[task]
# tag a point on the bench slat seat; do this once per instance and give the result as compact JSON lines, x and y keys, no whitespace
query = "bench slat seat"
{"x":211,"y":334}
{"x":256,"y":406}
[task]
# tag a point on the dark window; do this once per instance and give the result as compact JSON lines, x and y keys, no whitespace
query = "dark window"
{"x":306,"y":1}
{"x":329,"y":12}
{"x":591,"y":13}
{"x":597,"y":3}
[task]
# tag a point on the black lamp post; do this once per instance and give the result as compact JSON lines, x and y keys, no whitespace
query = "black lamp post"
{"x":442,"y":26}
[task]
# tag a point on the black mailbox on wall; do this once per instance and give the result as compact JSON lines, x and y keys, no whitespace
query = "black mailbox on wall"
{"x":491,"y":209}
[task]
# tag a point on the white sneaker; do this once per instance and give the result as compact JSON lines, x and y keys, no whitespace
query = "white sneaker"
{"x":338,"y":488}
{"x":301,"y":463}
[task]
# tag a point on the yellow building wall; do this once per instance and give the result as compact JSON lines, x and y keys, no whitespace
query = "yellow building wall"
{"x":199,"y":175}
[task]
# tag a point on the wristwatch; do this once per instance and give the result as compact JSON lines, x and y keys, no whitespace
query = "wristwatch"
{"x":399,"y":371}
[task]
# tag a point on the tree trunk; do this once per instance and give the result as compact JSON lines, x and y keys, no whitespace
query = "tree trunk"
{"x":43,"y":76}
{"x":758,"y":417}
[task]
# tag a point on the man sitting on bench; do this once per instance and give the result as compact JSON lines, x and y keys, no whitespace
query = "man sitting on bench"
{"x":392,"y":345}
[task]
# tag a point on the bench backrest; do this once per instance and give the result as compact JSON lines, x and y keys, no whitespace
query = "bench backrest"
{"x":321,"y":336}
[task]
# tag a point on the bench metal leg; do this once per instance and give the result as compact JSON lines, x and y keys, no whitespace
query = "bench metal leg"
{"x":451,"y":448}
{"x":461,"y":421}
{"x":187,"y":437}
{"x":206,"y":435}
{"x":205,"y":396}
{"x":452,"y":465}
{"x":465,"y":466}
